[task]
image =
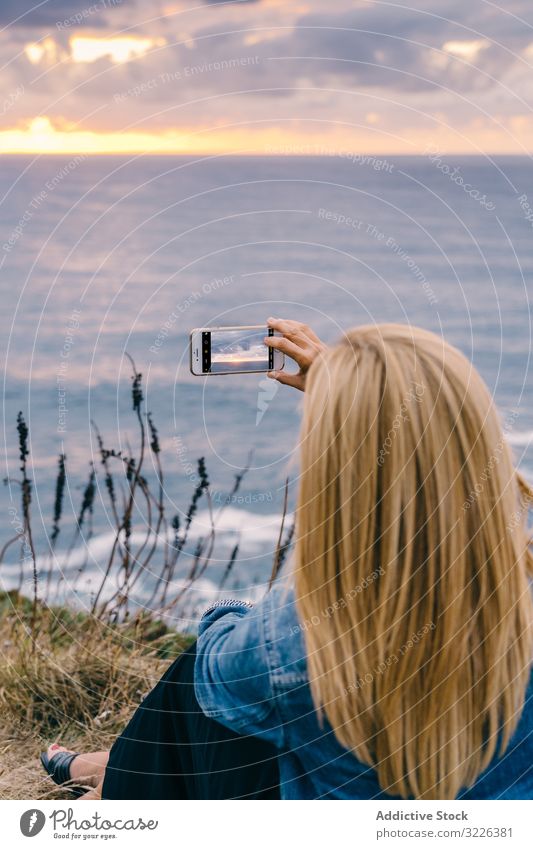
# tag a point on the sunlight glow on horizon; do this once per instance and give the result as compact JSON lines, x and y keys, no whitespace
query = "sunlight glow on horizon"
{"x":42,"y":136}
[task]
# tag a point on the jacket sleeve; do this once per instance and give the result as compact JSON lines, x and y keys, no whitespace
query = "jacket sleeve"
{"x":232,"y":676}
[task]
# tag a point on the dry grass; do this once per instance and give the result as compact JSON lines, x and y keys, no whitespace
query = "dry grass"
{"x":78,"y":682}
{"x":77,"y":678}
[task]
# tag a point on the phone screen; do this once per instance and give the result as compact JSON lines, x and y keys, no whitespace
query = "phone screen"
{"x":239,"y":350}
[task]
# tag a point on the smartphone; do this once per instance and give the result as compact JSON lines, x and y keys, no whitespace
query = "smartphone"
{"x":233,"y":350}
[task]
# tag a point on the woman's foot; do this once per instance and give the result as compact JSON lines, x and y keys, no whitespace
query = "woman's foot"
{"x":86,"y":770}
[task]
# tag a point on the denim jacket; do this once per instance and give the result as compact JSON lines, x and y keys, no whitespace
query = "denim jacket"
{"x":251,"y":676}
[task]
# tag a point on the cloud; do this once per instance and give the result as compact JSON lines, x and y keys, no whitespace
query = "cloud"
{"x":402,"y":49}
{"x":47,"y":13}
{"x":275,"y":63}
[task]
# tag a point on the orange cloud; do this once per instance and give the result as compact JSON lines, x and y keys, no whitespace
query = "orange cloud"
{"x":119,"y":49}
{"x":87,"y":49}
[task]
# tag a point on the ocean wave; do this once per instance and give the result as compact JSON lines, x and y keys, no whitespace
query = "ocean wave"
{"x":77,"y":574}
{"x":254,"y":529}
{"x":520,"y":438}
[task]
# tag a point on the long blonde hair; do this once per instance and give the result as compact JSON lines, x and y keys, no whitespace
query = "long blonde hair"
{"x":411,"y":560}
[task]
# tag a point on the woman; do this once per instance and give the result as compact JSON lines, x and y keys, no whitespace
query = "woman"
{"x":394,"y":660}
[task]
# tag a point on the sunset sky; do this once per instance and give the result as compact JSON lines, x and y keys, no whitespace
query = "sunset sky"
{"x":266,"y":76}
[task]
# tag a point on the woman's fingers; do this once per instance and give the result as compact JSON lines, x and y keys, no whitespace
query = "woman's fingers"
{"x":279,"y":323}
{"x":300,"y":343}
{"x":290,"y":348}
{"x":300,"y":333}
{"x":296,"y":380}
{"x":291,"y":330}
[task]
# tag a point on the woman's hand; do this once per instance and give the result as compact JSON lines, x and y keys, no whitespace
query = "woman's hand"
{"x":298,"y":342}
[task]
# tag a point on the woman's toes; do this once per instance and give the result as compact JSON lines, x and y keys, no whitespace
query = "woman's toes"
{"x":54,"y":749}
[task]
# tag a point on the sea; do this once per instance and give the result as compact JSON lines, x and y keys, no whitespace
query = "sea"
{"x":106,"y":258}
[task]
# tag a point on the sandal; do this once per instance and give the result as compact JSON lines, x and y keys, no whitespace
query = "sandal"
{"x":58,"y":768}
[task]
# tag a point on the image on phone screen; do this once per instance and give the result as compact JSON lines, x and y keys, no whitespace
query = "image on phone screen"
{"x":239,"y":350}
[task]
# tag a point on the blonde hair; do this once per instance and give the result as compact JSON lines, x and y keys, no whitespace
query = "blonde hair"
{"x":412,"y":560}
